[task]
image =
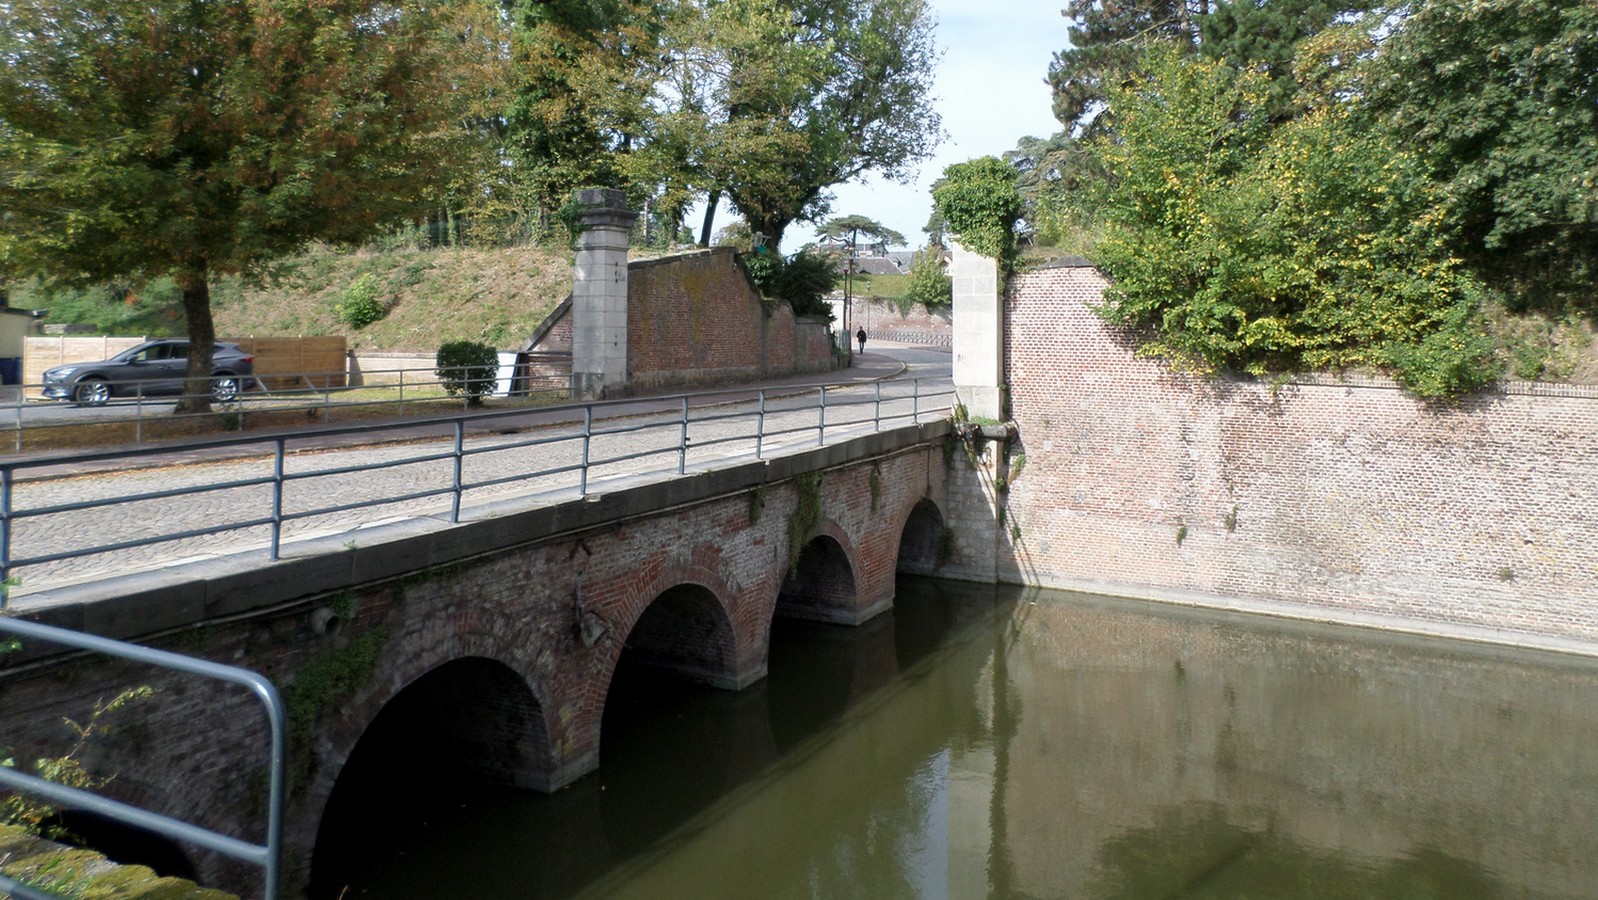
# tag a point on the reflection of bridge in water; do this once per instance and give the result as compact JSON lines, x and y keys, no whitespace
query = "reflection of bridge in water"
{"x":675,"y":755}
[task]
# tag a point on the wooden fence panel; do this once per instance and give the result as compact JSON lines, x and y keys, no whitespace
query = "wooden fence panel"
{"x":298,"y":362}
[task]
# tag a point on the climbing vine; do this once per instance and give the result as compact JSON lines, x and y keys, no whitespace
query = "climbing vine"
{"x":980,"y":203}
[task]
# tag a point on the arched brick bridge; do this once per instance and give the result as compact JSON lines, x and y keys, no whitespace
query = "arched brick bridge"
{"x":491,"y":643}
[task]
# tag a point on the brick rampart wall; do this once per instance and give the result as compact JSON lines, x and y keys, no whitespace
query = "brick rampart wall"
{"x":695,"y":319}
{"x":1349,"y":499}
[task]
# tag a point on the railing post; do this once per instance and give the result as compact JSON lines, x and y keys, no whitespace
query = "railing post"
{"x":5,"y":536}
{"x":402,"y":391}
{"x":682,"y":444}
{"x":277,"y":498}
{"x":877,"y":422}
{"x":588,"y":436}
{"x":760,"y":424}
{"x":460,"y":441}
{"x":915,"y":401}
{"x":821,"y":423}
{"x":138,"y":414}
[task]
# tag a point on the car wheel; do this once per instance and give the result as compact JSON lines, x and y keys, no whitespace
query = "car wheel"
{"x":224,"y":388}
{"x":91,"y":392}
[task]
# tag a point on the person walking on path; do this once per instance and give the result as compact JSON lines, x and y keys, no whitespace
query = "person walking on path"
{"x":861,"y":337}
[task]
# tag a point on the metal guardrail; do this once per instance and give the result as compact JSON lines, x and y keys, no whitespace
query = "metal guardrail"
{"x":314,"y":392}
{"x":268,"y":855}
{"x":599,"y":437}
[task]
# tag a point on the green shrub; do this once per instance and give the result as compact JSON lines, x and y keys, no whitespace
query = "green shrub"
{"x":1455,"y":358}
{"x":469,"y":369}
{"x":930,"y":286}
{"x":804,"y":280}
{"x":980,"y":205}
{"x":358,"y":305}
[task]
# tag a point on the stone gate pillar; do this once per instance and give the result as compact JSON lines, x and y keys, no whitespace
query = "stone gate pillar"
{"x":976,"y":511}
{"x":978,"y":333}
{"x":599,"y":295}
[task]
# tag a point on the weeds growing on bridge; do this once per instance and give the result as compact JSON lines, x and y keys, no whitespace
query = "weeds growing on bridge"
{"x":328,"y":679}
{"x":68,"y":769}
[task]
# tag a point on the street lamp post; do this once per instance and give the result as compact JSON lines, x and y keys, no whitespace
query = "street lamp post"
{"x":848,"y":302}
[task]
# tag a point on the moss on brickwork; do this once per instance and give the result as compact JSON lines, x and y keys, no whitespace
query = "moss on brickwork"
{"x":328,"y":679}
{"x":76,"y":873}
{"x":757,"y":503}
{"x":805,"y":521}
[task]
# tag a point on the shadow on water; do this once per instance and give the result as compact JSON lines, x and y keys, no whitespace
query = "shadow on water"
{"x":670,"y":749}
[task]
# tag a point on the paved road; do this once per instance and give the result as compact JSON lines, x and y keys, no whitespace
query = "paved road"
{"x":638,"y":439}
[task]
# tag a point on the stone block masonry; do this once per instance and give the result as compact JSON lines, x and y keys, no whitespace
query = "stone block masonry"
{"x":1348,"y":500}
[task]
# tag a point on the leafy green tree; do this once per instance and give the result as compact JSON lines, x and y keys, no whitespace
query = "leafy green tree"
{"x":554,"y":135}
{"x":1107,"y":37}
{"x":803,"y":280}
{"x":768,"y":103}
{"x":930,"y":285}
{"x":1501,"y":99}
{"x":197,"y":139}
{"x":1266,"y":36}
{"x":864,"y":106}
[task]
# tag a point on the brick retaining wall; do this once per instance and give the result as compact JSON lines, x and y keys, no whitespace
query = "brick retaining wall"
{"x":1350,"y":498}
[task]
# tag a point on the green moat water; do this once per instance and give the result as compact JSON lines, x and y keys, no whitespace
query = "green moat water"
{"x":1039,"y":744}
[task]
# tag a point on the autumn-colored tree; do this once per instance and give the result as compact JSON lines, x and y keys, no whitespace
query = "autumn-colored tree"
{"x":1312,"y":244}
{"x":141,"y":138}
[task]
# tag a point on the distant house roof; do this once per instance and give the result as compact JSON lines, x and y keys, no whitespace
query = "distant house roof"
{"x":877,"y":265}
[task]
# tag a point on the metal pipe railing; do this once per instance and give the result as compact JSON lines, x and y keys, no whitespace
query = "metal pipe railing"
{"x":697,"y":423}
{"x":267,"y":855}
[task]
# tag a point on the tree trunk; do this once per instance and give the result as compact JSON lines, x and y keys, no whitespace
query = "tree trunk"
{"x":196,"y":292}
{"x":771,"y":228}
{"x":710,"y":218}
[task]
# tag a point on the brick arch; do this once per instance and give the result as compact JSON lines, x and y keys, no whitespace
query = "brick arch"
{"x":824,"y":585}
{"x":406,"y":659}
{"x":921,"y":524}
{"x":472,"y":719}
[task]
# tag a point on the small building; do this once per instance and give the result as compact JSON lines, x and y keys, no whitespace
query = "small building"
{"x":15,"y":326}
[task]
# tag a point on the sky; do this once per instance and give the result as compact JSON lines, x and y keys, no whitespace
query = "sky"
{"x":990,"y":92}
